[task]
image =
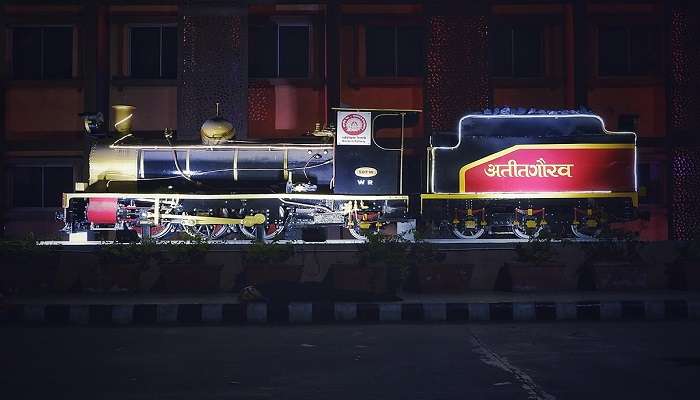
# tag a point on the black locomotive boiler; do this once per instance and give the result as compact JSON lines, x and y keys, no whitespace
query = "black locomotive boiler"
{"x":501,"y":172}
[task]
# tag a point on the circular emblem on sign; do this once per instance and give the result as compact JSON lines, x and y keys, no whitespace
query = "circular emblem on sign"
{"x":354,"y":124}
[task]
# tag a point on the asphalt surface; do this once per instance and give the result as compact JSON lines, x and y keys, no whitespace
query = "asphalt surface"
{"x":658,"y":360}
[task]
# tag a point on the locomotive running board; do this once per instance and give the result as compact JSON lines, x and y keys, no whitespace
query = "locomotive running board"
{"x":536,"y":195}
{"x":67,"y":197}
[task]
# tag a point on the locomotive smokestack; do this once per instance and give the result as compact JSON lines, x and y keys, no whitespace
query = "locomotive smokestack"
{"x":123,"y":119}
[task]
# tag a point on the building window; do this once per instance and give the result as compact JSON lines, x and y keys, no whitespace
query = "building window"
{"x":516,"y":51}
{"x":279,"y":50}
{"x":153,"y":52}
{"x":627,"y":51}
{"x":39,"y":185}
{"x":42,"y":52}
{"x":394,"y":51}
{"x":628,"y":122}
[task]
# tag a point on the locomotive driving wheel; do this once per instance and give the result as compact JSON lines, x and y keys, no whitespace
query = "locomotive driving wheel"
{"x":157,"y":232}
{"x":272,"y":230}
{"x":207,"y":231}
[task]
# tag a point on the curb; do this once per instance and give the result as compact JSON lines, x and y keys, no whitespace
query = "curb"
{"x":306,"y":313}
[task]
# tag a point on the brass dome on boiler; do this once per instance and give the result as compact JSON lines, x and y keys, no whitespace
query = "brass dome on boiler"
{"x":217,"y":130}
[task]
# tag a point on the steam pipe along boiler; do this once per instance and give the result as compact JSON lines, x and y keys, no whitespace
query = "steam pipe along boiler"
{"x":248,"y":188}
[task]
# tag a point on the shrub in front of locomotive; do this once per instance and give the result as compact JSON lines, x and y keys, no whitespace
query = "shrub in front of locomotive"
{"x":524,"y":172}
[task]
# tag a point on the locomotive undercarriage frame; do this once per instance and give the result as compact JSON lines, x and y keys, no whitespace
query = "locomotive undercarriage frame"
{"x":212,"y":217}
{"x":467,"y":216}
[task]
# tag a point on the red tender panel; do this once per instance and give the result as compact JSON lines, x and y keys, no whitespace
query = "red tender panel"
{"x":588,"y":170}
{"x":102,"y":211}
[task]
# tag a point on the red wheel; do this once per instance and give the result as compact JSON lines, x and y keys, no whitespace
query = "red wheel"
{"x":157,"y":231}
{"x":208,"y":232}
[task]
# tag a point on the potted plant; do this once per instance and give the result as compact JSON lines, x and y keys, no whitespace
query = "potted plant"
{"x":27,"y":266}
{"x":268,"y":261}
{"x":612,"y":263}
{"x":684,"y":272}
{"x":535,"y":267}
{"x":184,"y":269}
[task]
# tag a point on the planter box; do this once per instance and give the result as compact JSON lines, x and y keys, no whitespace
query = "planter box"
{"x":189,"y":277}
{"x":261,"y":273}
{"x":684,"y":276}
{"x":361,"y":278}
{"x":619,"y":276}
{"x":525,"y":277}
{"x":32,"y":275}
{"x":443,"y":278}
{"x":111,"y":277}
{"x":692,"y":276}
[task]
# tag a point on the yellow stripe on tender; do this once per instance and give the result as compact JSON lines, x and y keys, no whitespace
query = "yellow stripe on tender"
{"x":534,"y":195}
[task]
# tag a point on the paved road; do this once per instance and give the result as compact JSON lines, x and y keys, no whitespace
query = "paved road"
{"x":659,"y":360}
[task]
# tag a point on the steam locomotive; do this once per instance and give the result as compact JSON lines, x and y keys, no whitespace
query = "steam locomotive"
{"x":511,"y":172}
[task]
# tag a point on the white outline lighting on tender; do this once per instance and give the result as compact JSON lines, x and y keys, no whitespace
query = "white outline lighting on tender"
{"x":459,"y":137}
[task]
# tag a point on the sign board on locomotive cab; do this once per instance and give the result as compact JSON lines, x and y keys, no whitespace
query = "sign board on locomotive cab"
{"x":354,"y":128}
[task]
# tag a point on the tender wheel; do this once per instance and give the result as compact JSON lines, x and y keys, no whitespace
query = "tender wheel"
{"x":208,"y":232}
{"x":462,"y":231}
{"x":583,"y":232}
{"x":526,"y":233}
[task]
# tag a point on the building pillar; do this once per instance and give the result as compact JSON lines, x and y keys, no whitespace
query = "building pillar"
{"x":683,"y":29}
{"x":332,"y":52}
{"x":96,"y":57}
{"x":4,"y":77}
{"x":94,"y":36}
{"x":580,"y":54}
{"x":213,"y":64}
{"x":456,"y":64}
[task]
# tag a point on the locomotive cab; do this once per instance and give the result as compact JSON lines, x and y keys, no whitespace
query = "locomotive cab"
{"x":367,"y":162}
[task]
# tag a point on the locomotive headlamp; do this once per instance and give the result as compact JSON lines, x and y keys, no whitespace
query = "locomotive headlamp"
{"x":92,"y":122}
